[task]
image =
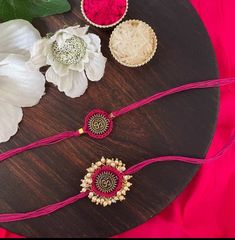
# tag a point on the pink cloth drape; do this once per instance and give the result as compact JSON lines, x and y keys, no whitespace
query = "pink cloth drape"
{"x":206,"y":208}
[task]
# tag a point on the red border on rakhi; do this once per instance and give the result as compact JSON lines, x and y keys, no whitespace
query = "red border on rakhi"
{"x":107,"y":169}
{"x":106,"y":115}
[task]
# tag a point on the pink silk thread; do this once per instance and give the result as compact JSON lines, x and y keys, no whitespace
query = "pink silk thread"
{"x":43,"y":142}
{"x":182,"y":88}
{"x":138,"y":167}
{"x":4,"y":218}
{"x":12,"y":217}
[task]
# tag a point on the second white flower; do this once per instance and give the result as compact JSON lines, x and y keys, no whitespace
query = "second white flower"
{"x":74,"y":56}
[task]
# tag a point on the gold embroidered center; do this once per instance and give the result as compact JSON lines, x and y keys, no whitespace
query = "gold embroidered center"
{"x":106,"y":182}
{"x":98,"y":124}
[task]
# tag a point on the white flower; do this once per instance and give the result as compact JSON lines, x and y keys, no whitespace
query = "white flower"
{"x":20,"y":85}
{"x":73,"y":56}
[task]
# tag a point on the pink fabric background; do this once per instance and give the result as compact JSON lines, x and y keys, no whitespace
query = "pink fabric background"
{"x":207,"y":207}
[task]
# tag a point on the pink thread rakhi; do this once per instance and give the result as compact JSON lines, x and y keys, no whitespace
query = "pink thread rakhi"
{"x":107,"y":181}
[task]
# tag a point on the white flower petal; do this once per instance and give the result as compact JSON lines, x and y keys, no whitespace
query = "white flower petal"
{"x":50,"y":58}
{"x":87,"y":40}
{"x":19,"y":84}
{"x":62,"y":83}
{"x":10,"y":117}
{"x":39,"y":53}
{"x":7,"y":59}
{"x":52,"y":77}
{"x":95,"y":44}
{"x":17,"y":36}
{"x":78,"y":31}
{"x":78,"y":66}
{"x":61,"y":36}
{"x":96,"y":67}
{"x":60,"y":69}
{"x":80,"y":84}
{"x":3,"y":56}
{"x":73,"y":85}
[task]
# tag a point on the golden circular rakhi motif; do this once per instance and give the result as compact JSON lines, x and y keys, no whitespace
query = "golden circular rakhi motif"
{"x":98,"y":124}
{"x":106,"y":182}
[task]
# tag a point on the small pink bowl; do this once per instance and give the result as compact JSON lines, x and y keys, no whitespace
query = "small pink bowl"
{"x":104,"y":13}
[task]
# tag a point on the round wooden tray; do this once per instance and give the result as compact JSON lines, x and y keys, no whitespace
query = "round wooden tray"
{"x":182,"y":124}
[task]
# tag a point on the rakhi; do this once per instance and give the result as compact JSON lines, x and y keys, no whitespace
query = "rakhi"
{"x":108,"y":181}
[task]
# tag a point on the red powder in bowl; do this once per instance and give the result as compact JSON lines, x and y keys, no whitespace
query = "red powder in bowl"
{"x":104,"y":12}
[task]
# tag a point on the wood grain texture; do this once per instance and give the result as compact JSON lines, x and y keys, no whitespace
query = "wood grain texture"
{"x":182,"y":124}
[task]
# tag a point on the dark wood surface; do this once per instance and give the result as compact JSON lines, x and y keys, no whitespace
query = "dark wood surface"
{"x":182,"y":124}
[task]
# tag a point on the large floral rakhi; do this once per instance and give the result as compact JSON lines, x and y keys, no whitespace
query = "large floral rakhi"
{"x":106,"y":182}
{"x":74,"y":56}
